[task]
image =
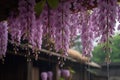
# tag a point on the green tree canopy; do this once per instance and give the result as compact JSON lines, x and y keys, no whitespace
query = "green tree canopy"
{"x":99,"y":54}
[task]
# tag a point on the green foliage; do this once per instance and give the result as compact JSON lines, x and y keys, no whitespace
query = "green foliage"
{"x":61,"y":78}
{"x":39,"y":6}
{"x":72,"y":71}
{"x":99,"y":54}
{"x":53,"y":3}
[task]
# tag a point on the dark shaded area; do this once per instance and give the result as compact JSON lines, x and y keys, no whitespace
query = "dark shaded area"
{"x":102,"y":74}
{"x":14,"y":68}
{"x":6,"y":6}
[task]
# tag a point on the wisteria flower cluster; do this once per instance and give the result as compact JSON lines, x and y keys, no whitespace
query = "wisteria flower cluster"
{"x":65,"y":73}
{"x":3,"y":38}
{"x":62,"y":24}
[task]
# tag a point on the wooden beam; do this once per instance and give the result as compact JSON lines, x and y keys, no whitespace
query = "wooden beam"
{"x":32,"y":57}
{"x":45,"y":51}
{"x":55,"y":72}
{"x":57,"y":54}
{"x":29,"y":70}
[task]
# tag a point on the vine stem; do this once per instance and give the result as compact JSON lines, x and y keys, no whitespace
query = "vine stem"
{"x":108,"y":49}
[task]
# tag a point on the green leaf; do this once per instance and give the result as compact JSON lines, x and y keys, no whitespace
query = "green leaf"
{"x":39,"y":7}
{"x":71,"y":70}
{"x":53,"y":3}
{"x":61,"y":78}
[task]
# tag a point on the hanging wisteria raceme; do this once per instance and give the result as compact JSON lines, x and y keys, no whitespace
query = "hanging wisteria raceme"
{"x":107,"y":14}
{"x":94,"y":23}
{"x":3,"y":38}
{"x":62,"y":29}
{"x":22,"y":8}
{"x":37,"y":33}
{"x":52,"y":20}
{"x":44,"y":20}
{"x":27,"y":18}
{"x":74,"y":25}
{"x":14,"y":28}
{"x":31,"y":20}
{"x":58,"y":32}
{"x":86,"y":35}
{"x":118,"y":15}
{"x":48,"y":20}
